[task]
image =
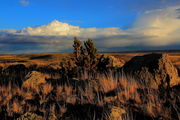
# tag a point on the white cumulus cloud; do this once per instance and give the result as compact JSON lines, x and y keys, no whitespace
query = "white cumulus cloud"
{"x":56,"y":28}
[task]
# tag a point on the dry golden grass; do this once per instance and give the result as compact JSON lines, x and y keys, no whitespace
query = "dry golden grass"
{"x":107,"y":84}
{"x":46,"y":88}
{"x":43,"y":59}
{"x":49,"y":98}
{"x":129,"y":90}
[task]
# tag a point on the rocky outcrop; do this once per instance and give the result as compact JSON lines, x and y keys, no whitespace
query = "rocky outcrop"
{"x":116,"y":62}
{"x":153,"y":70}
{"x":33,"y":80}
{"x":30,"y":116}
{"x":116,"y":113}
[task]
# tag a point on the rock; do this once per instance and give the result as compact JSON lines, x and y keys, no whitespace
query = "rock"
{"x":153,"y":70}
{"x":52,"y":117}
{"x":30,"y":116}
{"x":116,"y":113}
{"x":116,"y":62}
{"x":33,"y":80}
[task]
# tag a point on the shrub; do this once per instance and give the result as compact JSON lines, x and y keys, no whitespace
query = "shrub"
{"x":84,"y":59}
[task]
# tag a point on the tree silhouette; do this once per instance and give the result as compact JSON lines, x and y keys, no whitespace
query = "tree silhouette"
{"x":77,"y":48}
{"x":85,"y":58}
{"x":90,"y":48}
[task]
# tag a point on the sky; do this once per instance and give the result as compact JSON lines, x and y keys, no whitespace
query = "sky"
{"x":36,"y":26}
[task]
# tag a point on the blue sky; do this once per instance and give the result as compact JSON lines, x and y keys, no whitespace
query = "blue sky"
{"x":17,"y":14}
{"x":29,"y":26}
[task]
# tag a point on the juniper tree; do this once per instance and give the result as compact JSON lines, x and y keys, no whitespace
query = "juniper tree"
{"x":103,"y":62}
{"x":78,"y":53}
{"x":90,"y":56}
{"x":85,"y":58}
{"x":90,"y":48}
{"x":77,"y":48}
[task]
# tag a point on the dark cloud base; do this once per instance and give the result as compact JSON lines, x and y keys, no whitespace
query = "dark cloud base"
{"x":19,"y":44}
{"x":27,"y":48}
